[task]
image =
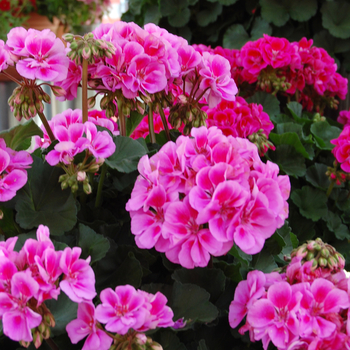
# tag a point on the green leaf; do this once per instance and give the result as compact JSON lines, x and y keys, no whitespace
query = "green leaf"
{"x":133,"y":121}
{"x":42,"y":201}
{"x":170,"y":7}
{"x":291,"y":139}
{"x":127,"y":154}
{"x":331,"y":44}
{"x":316,"y":176}
{"x":335,"y":225}
{"x":269,"y":102}
{"x":209,"y":15}
{"x":169,"y":340}
{"x":295,"y":108}
{"x":336,"y":18}
{"x":265,"y":262}
{"x":312,"y":202}
{"x":212,"y":280}
{"x":135,"y":6}
{"x":278,"y":11}
{"x":181,"y":18}
{"x":235,"y":37}
{"x":64,"y":310}
{"x":192,"y":303}
{"x":202,"y":345}
{"x":8,"y":224}
{"x":275,"y":11}
{"x":283,"y":128}
{"x":289,"y":160}
{"x":92,"y":244}
{"x":260,"y":27}
{"x":240,"y":255}
{"x":152,"y":15}
{"x":302,"y":10}
{"x":231,"y":271}
{"x":323,"y":133}
{"x":16,"y":136}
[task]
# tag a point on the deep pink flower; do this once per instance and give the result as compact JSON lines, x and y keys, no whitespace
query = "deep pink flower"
{"x":85,"y":325}
{"x":79,"y":278}
{"x":121,"y":309}
{"x":17,"y":318}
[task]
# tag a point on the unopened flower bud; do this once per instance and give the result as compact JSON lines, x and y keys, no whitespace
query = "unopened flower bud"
{"x":91,"y":102}
{"x":310,"y":256}
{"x":64,"y":185}
{"x":74,"y":188}
{"x":58,"y":91}
{"x":86,"y":52}
{"x":322,"y":262}
{"x":68,"y":37}
{"x":37,"y":339}
{"x":81,"y":176}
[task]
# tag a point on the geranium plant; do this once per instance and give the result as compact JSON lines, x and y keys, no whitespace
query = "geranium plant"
{"x":132,"y":225}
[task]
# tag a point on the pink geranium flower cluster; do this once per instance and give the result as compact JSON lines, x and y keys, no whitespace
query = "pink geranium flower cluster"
{"x":37,"y":273}
{"x":344,"y":118}
{"x":37,"y":54}
{"x":13,"y":175}
{"x":200,"y":195}
{"x":122,"y":310}
{"x":299,"y":309}
{"x":341,"y":151}
{"x":294,"y":68}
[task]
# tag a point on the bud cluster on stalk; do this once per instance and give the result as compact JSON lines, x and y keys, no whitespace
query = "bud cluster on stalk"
{"x":322,"y":255}
{"x":261,"y":141}
{"x":336,"y":175}
{"x":88,"y":48}
{"x":135,"y":341}
{"x":27,"y":100}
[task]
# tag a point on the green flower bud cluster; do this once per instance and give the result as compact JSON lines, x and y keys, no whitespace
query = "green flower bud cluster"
{"x":337,"y":175}
{"x":73,"y":180}
{"x":260,"y":140}
{"x":133,"y":342}
{"x":318,"y":118}
{"x":322,"y":255}
{"x":88,"y":48}
{"x":191,"y":116}
{"x":26,"y":101}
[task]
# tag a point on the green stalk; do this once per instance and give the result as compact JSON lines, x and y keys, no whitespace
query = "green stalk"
{"x":46,"y":125}
{"x":164,"y":121}
{"x":330,"y":188}
{"x":152,"y":135}
{"x":85,"y":91}
{"x":51,"y":343}
{"x":122,"y":123}
{"x":100,"y":186}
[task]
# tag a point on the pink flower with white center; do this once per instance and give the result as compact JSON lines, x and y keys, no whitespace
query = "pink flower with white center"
{"x":217,"y":79}
{"x":46,"y":59}
{"x":246,"y":293}
{"x":7,"y":270}
{"x":85,"y":325}
{"x":79,"y":278}
{"x":17,"y":318}
{"x":4,"y":56}
{"x":319,"y":300}
{"x":161,"y":315}
{"x":122,"y":309}
{"x":276,"y":315}
{"x":191,"y":245}
{"x":276,"y":51}
{"x":16,"y":42}
{"x":101,"y":144}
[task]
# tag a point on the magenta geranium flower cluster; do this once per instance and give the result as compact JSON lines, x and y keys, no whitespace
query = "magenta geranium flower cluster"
{"x":341,"y":151}
{"x":197,"y":197}
{"x":305,"y":307}
{"x":13,"y":175}
{"x":298,"y":69}
{"x":38,"y":273}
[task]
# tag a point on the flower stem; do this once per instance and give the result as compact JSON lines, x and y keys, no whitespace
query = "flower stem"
{"x":11,"y":77}
{"x":122,"y":124}
{"x":330,"y":188}
{"x":46,"y":125}
{"x":100,"y":186}
{"x":85,"y":91}
{"x":51,"y":343}
{"x":152,"y":135}
{"x":164,"y":121}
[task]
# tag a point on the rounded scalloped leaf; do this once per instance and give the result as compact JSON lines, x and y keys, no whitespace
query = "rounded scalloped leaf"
{"x":302,"y":10}
{"x":235,"y":37}
{"x":336,"y":18}
{"x":180,"y":18}
{"x":209,"y":15}
{"x":171,"y":7}
{"x":259,"y":28}
{"x":224,"y":2}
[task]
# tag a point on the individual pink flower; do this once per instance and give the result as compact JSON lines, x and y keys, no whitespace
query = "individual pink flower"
{"x":17,"y":318}
{"x":341,"y":151}
{"x":121,"y":309}
{"x":246,"y":293}
{"x":344,"y":118}
{"x":46,"y":58}
{"x":4,"y":56}
{"x":276,"y":316}
{"x":85,"y":325}
{"x":79,"y":278}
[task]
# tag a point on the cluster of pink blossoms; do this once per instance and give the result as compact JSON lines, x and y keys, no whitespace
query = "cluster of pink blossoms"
{"x":151,"y":60}
{"x":295,"y":68}
{"x":302,"y":308}
{"x":13,"y":175}
{"x":122,"y":310}
{"x":341,"y":151}
{"x":344,"y":118}
{"x":200,"y":195}
{"x":37,"y":273}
